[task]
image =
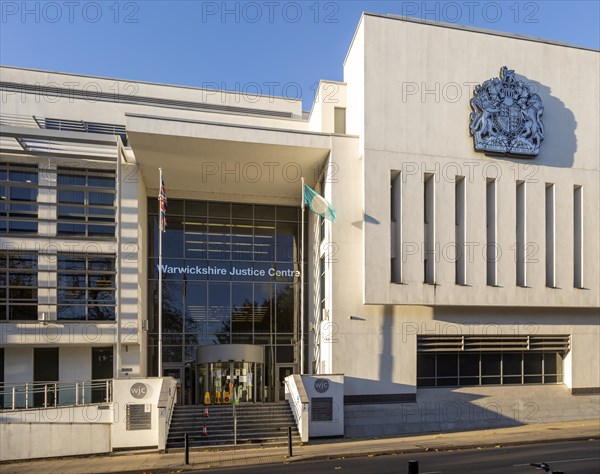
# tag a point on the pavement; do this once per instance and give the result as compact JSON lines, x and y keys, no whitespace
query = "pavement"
{"x":153,"y":462}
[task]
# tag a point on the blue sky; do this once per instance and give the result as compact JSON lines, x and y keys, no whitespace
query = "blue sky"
{"x":271,"y":46}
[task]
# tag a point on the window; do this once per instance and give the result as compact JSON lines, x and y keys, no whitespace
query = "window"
{"x":578,"y":237}
{"x":396,"y":227}
{"x":86,"y":202}
{"x":488,"y":368}
{"x":18,"y":286}
{"x":429,"y":228}
{"x":339,"y":125}
{"x":490,"y":360}
{"x":521,"y":235}
{"x":18,"y":198}
{"x":490,"y":202}
{"x":550,"y":237}
{"x":86,"y":287}
{"x":460,"y":230}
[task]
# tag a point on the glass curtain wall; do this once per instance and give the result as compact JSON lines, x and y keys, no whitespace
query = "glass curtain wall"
{"x":231,"y":275}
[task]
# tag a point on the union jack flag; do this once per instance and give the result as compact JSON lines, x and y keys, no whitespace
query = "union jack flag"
{"x":162,"y":202}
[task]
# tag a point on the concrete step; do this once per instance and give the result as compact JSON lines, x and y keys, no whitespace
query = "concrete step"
{"x":198,"y":439}
{"x":229,"y":420}
{"x":256,"y":423}
{"x":230,"y":442}
{"x":217,"y":412}
{"x":200,"y":425}
{"x":276,"y":431}
{"x":229,"y":429}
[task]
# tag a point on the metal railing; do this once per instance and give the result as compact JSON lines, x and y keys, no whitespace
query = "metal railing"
{"x":35,"y":395}
{"x":296,"y":405}
{"x":170,"y":409}
{"x":299,"y":402}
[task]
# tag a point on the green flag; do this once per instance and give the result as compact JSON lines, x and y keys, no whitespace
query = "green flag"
{"x":318,"y":204}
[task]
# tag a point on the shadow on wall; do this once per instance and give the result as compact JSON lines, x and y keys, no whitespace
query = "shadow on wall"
{"x":446,"y":409}
{"x":491,"y":321}
{"x":435,"y":410}
{"x":560,"y":143}
{"x":386,"y":359}
{"x":376,"y":391}
{"x":383,"y":389}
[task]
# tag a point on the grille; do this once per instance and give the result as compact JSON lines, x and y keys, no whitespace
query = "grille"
{"x":560,"y":343}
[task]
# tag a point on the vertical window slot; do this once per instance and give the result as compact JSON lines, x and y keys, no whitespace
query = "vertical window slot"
{"x":550,"y":237}
{"x":490,"y":203}
{"x":396,"y":226}
{"x":460,"y":230}
{"x":429,"y":227}
{"x":578,"y":237}
{"x":521,"y":235}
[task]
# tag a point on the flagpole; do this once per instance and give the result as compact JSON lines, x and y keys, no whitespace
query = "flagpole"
{"x":118,"y":276}
{"x":302,"y":285}
{"x":160,"y":233}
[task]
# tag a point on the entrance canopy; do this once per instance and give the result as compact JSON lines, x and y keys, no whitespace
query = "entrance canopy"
{"x":224,"y":161}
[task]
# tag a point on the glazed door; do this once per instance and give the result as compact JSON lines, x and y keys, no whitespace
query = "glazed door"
{"x":283,"y":370}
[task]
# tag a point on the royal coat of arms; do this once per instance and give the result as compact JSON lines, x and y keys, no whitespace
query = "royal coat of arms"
{"x":507,"y":116}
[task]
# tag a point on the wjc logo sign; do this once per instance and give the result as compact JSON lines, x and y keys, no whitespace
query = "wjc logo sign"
{"x":138,"y":390}
{"x":321,"y":385}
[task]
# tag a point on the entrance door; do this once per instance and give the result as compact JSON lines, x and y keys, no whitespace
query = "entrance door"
{"x":45,"y":369}
{"x":189,"y":388}
{"x":283,"y":370}
{"x":244,"y":380}
{"x":176,"y":373}
{"x":102,"y":368}
{"x":239,"y":380}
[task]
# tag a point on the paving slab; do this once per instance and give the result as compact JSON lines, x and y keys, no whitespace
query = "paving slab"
{"x":317,"y":449}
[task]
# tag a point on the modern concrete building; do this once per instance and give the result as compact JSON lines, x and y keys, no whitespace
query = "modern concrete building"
{"x":449,"y":274}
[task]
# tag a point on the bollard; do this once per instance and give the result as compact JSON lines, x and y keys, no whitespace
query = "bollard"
{"x":186,"y":444}
{"x":289,"y":441}
{"x":413,"y":467}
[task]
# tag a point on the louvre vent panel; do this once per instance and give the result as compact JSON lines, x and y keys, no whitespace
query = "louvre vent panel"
{"x":548,"y":343}
{"x":60,"y":124}
{"x":82,"y":126}
{"x":439,"y":343}
{"x":496,"y":343}
{"x":14,"y":120}
{"x":427,"y":343}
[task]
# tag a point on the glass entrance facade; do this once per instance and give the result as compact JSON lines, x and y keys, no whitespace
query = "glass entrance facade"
{"x":231,"y":275}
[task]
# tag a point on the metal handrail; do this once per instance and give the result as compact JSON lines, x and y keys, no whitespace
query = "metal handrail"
{"x":34,"y":395}
{"x":296,"y":407}
{"x":171,"y":407}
